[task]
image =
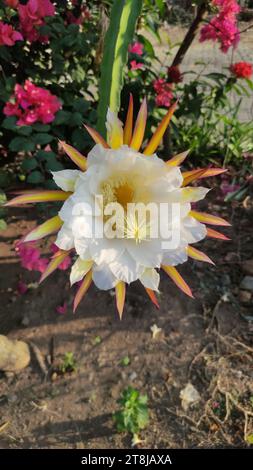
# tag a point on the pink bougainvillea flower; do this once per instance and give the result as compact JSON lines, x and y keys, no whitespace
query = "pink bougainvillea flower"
{"x":31,"y":257}
{"x":32,"y":15}
{"x":136,"y":48}
{"x":62,"y":309}
{"x":12,"y":3}
{"x":135,"y":65}
{"x":164,"y":94}
{"x":31,"y":104}
{"x":8,"y":36}
{"x":223,"y":27}
{"x":22,"y":288}
{"x":121,"y":172}
{"x":242,"y":69}
{"x":174,"y":74}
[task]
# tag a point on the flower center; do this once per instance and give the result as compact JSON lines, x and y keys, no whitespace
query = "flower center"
{"x":117,"y":190}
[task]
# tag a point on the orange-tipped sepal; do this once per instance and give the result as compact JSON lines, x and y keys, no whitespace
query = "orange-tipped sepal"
{"x":120,"y":291}
{"x":47,"y":228}
{"x":177,"y":279}
{"x":38,"y":196}
{"x":200,"y":173}
{"x":178,"y":159}
{"x":209,"y":219}
{"x":152,"y":296}
{"x":140,"y":127}
{"x":86,"y":282}
{"x":56,"y":260}
{"x":75,"y":156}
{"x":128,"y":129}
{"x":158,"y":135}
{"x":214,"y":234}
{"x":198,"y":255}
{"x":96,"y":137}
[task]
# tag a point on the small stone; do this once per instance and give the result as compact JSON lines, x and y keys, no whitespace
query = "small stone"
{"x":115,"y":391}
{"x":132,"y":376}
{"x":80,"y":445}
{"x":189,"y":395}
{"x":156,"y":332}
{"x":14,"y":355}
{"x":245,"y":296}
{"x":247,"y":283}
{"x":247,"y":267}
{"x":25,"y":321}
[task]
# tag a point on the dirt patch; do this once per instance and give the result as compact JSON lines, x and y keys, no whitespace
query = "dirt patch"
{"x":205,"y":342}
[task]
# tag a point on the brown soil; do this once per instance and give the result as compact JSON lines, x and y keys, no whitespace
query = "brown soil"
{"x":205,"y":341}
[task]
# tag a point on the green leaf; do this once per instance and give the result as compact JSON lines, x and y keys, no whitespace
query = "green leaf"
{"x":24,"y":130}
{"x":29,"y":164}
{"x":19,"y":144}
{"x":9,"y":123}
{"x":35,"y":177}
{"x":2,"y":198}
{"x":79,"y":139}
{"x":43,"y":138}
{"x":62,"y":117}
{"x":76,"y":120}
{"x":53,"y":165}
{"x":3,"y":224}
{"x":42,"y":155}
{"x":41,"y":127}
{"x":124,"y":15}
{"x":81,"y":105}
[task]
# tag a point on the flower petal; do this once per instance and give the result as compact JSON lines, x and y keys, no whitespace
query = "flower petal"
{"x":126,"y":269}
{"x":66,"y":179}
{"x":150,"y":279}
{"x":103,"y":277}
{"x":65,"y":239}
{"x":79,"y":269}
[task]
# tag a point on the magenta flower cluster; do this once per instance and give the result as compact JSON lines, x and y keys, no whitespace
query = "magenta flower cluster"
{"x":223,"y":26}
{"x":32,"y":260}
{"x":8,"y":36}
{"x":31,"y":104}
{"x":32,"y":15}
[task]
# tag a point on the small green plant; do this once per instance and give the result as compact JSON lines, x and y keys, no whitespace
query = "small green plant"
{"x":69,"y":363}
{"x":97,"y":340}
{"x":133,"y":415}
{"x":125,"y":361}
{"x":250,"y":438}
